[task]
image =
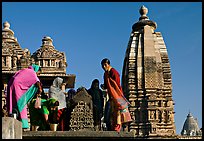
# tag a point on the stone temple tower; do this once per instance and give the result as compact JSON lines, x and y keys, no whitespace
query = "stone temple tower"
{"x":146,"y":81}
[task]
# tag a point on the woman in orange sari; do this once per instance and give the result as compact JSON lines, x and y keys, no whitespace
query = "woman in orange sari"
{"x":118,"y":103}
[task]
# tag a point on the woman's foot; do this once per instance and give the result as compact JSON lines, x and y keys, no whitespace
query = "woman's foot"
{"x":117,"y":127}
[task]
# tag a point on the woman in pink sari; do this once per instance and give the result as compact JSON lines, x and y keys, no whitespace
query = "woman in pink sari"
{"x":22,"y":87}
{"x":118,"y":103}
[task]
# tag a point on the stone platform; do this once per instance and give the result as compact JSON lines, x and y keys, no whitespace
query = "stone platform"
{"x":77,"y":135}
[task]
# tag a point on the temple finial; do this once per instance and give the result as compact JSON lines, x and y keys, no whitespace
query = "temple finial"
{"x":143,"y":12}
{"x":6,"y":25}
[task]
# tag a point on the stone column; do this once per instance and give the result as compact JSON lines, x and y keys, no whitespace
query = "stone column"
{"x":11,"y":128}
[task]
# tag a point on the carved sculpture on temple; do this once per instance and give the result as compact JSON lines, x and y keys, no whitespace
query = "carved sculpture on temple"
{"x":81,"y":117}
{"x":50,"y":59}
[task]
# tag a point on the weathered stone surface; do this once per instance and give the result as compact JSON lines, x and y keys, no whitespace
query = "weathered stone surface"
{"x":81,"y":117}
{"x":77,"y":135}
{"x":11,"y":128}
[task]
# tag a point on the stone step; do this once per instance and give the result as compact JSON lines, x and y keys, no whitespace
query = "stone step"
{"x":77,"y":135}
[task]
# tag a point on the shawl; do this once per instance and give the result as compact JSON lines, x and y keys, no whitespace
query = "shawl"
{"x":56,"y":92}
{"x":115,"y":92}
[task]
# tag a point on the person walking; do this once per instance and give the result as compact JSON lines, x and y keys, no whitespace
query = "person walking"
{"x":119,"y":113}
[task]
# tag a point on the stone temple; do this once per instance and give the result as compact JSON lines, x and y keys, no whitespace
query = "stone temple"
{"x":146,"y":82}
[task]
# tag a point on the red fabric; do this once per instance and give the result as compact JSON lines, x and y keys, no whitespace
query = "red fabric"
{"x":116,"y":77}
{"x":112,"y":84}
{"x":125,"y":116}
{"x":113,"y":73}
{"x":115,"y":92}
{"x":61,"y":119}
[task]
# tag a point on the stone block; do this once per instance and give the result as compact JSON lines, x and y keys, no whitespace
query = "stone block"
{"x":11,"y":128}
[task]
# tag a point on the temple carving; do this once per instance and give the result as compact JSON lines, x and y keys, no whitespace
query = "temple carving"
{"x":146,"y":80}
{"x":81,"y":117}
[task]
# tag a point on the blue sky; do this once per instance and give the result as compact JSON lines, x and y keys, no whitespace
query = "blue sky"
{"x":90,"y":31}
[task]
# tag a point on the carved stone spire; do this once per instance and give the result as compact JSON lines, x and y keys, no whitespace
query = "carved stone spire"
{"x":146,"y":80}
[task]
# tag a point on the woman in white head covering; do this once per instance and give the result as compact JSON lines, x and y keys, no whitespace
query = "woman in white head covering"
{"x":56,"y":92}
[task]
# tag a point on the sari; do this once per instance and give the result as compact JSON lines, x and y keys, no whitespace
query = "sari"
{"x":119,"y":104}
{"x":37,"y":115}
{"x":20,"y":91}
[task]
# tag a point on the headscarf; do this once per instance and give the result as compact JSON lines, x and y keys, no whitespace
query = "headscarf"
{"x":93,"y":83}
{"x":71,"y":94}
{"x":36,"y":68}
{"x":97,"y":95}
{"x":56,"y":92}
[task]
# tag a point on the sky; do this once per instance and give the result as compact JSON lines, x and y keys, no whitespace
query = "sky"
{"x":89,"y":31}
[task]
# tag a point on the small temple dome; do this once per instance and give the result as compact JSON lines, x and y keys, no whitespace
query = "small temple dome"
{"x":190,"y":126}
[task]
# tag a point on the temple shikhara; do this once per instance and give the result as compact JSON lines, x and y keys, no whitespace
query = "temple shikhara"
{"x":146,"y":82}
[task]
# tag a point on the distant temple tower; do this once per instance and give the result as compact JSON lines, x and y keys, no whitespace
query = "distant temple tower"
{"x":146,"y":81}
{"x":190,"y":127}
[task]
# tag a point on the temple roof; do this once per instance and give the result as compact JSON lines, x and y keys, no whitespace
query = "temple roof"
{"x":10,"y":45}
{"x":47,"y":50}
{"x":190,"y":125}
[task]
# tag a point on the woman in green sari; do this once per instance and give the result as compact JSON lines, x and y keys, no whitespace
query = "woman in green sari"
{"x":41,"y":117}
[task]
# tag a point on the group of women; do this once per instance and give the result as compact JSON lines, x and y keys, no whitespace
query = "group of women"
{"x":25,"y":92}
{"x":25,"y":88}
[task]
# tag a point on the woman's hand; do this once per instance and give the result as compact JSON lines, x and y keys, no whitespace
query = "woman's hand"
{"x":38,"y":95}
{"x":39,"y":85}
{"x":102,"y":86}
